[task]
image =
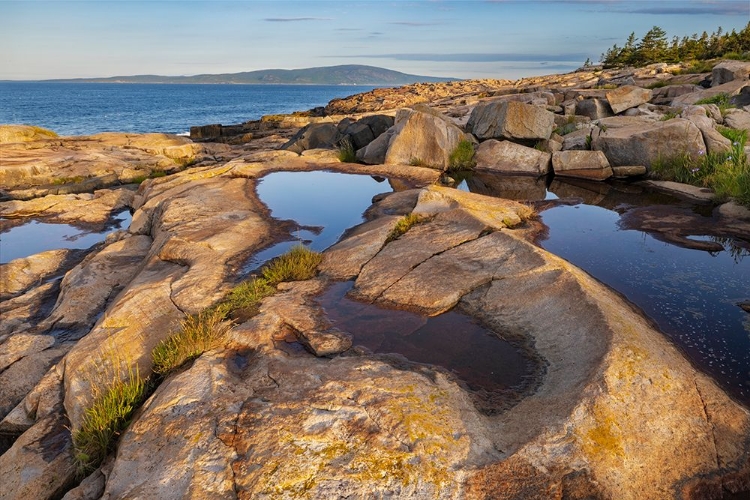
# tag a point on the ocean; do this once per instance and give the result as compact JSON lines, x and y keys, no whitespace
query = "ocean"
{"x":89,"y":108}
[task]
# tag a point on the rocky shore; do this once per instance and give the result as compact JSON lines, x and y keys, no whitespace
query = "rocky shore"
{"x":290,"y":407}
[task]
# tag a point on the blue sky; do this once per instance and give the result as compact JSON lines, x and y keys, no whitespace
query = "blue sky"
{"x":464,"y":38}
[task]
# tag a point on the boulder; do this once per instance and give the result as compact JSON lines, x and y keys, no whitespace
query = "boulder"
{"x":626,"y":97}
{"x":728,"y":71}
{"x":424,"y":137}
{"x":312,"y":136}
{"x":510,"y":120}
{"x":581,"y":164}
{"x":578,"y":140}
{"x":365,"y":130}
{"x":594,"y":109}
{"x":737,"y":118}
{"x":374,"y":152}
{"x":644,"y":143}
{"x":665,"y":95}
{"x":511,"y":158}
{"x":623,"y":172}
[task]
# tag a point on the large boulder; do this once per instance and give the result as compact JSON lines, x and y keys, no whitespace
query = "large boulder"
{"x":626,"y":97}
{"x":511,"y":158}
{"x":510,"y":120}
{"x":581,"y":164}
{"x":313,"y":136}
{"x":727,"y":71}
{"x":593,"y":108}
{"x":422,"y":136}
{"x":644,"y":142}
{"x":365,"y":130}
{"x":737,"y":118}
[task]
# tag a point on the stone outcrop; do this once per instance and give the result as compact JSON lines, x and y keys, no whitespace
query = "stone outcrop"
{"x":728,"y":71}
{"x":510,"y":120}
{"x":737,"y":119}
{"x":581,"y":164}
{"x":315,"y":135}
{"x":10,"y":134}
{"x":511,"y":158}
{"x":644,"y":143}
{"x":626,"y":97}
{"x":421,"y":137}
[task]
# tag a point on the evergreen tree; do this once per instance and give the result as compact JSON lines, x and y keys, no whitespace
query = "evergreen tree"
{"x":653,"y":46}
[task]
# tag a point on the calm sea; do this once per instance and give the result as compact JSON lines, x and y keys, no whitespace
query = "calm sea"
{"x":89,"y":108}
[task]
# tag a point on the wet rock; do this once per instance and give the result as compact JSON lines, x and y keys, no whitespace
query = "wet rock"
{"x":745,"y":306}
{"x":728,"y":71}
{"x":644,"y":144}
{"x":511,"y":158}
{"x":510,"y":120}
{"x":626,"y":97}
{"x":695,"y":193}
{"x":581,"y":164}
{"x":96,"y":208}
{"x":19,"y":275}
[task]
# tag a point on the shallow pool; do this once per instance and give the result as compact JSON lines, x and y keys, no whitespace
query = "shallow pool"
{"x":36,"y":236}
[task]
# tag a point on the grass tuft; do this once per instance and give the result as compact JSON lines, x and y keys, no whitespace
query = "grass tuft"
{"x":462,"y":158}
{"x":346,"y":152}
{"x":721,"y":100}
{"x":402,"y":226}
{"x":198,"y":333}
{"x":297,"y":264}
{"x":106,"y":419}
{"x":418,"y":162}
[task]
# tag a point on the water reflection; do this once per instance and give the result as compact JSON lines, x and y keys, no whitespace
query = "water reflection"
{"x":322,"y":205}
{"x":496,"y":371}
{"x":678,"y":261}
{"x":37,"y":236}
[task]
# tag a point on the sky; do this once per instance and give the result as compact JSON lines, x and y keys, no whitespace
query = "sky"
{"x":461,"y":39}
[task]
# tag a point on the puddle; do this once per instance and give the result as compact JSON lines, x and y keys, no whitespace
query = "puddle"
{"x":38,"y":236}
{"x":496,"y":371}
{"x":637,"y":241}
{"x":322,"y":205}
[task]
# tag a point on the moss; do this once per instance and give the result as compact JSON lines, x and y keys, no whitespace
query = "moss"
{"x":462,"y":157}
{"x":402,"y":226}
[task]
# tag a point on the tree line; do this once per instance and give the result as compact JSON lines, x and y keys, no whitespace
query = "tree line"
{"x":654,"y":47}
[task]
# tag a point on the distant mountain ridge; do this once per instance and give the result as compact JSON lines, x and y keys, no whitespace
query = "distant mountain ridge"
{"x":352,"y":74}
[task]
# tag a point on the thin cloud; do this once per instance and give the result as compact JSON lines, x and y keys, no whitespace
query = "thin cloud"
{"x":478,"y":57}
{"x":413,"y":23}
{"x":295,"y":19}
{"x":733,"y":9}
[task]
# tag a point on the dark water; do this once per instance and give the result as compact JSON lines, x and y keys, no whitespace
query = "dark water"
{"x":89,"y":108}
{"x":322,"y":204}
{"x":37,"y":236}
{"x":692,"y":295}
{"x":487,"y":364}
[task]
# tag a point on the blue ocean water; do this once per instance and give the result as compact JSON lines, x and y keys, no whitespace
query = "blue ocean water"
{"x":89,"y":108}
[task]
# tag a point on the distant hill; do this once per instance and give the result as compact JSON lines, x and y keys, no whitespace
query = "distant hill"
{"x":329,"y":75}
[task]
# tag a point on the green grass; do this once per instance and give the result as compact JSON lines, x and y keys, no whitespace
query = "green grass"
{"x":198,"y":333}
{"x":669,"y":115}
{"x":462,"y":158}
{"x":299,"y":263}
{"x":402,"y":226}
{"x":657,"y":85}
{"x":728,"y":174}
{"x":106,"y":419}
{"x":694,"y":67}
{"x":69,"y":180}
{"x":418,"y":162}
{"x":346,"y":152}
{"x":721,"y":100}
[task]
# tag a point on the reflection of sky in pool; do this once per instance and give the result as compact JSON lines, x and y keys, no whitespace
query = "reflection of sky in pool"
{"x":691,"y":294}
{"x":332,"y":201}
{"x":35,"y":236}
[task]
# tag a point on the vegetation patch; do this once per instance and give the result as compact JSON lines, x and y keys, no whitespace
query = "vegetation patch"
{"x":462,"y":158}
{"x":198,"y":333}
{"x":728,"y":174}
{"x":402,"y":226}
{"x":721,"y":100}
{"x":299,"y":263}
{"x":106,"y":419}
{"x":69,"y":180}
{"x":418,"y":162}
{"x":346,"y":152}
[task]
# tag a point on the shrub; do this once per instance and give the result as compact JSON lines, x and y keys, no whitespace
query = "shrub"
{"x":402,"y":226}
{"x":346,"y":151}
{"x":198,"y":333}
{"x":106,"y":419}
{"x":418,"y":162}
{"x":462,"y":158}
